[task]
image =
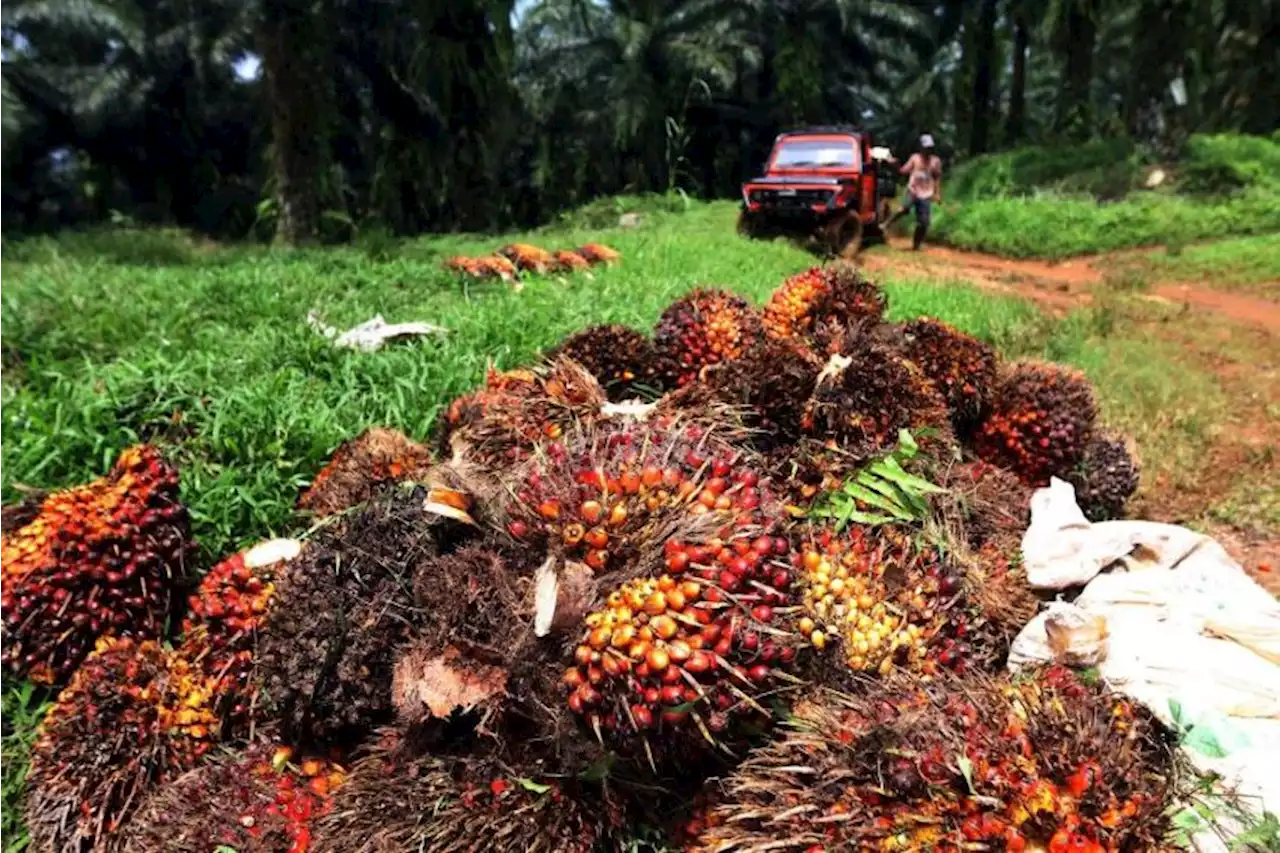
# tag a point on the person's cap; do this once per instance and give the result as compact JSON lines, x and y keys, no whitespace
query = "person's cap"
{"x":926,"y":141}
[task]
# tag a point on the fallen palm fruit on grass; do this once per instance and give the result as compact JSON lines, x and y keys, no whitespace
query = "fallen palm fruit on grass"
{"x":260,"y":801}
{"x":96,"y":560}
{"x":528,"y":258}
{"x":569,"y":261}
{"x":133,"y":716}
{"x":500,"y":423}
{"x":620,"y":358}
{"x":599,"y":253}
{"x":703,"y":328}
{"x":397,"y":801}
{"x":361,"y":466}
{"x":818,"y":303}
{"x":961,"y":367}
{"x":489,"y":266}
{"x":1041,"y":763}
{"x":1040,"y":422}
{"x":1106,"y":477}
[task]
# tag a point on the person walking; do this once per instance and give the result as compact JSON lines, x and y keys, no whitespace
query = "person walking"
{"x":923,"y":186}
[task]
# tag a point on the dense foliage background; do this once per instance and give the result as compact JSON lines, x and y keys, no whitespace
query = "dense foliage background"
{"x":308,"y":119}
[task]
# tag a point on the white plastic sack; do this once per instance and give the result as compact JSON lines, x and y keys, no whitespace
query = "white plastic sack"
{"x":1188,"y":634}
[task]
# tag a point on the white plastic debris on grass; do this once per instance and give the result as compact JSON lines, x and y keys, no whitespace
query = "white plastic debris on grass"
{"x":1172,"y":622}
{"x":370,"y":335}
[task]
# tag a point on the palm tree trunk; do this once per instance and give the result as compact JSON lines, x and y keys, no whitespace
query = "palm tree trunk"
{"x":1075,"y":115}
{"x":985,"y":49}
{"x":291,"y":40}
{"x":1015,"y":127}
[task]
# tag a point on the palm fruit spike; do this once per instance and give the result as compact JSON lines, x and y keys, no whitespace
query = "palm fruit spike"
{"x":832,"y":295}
{"x":568,"y":261}
{"x":518,"y":409}
{"x":619,"y":357}
{"x":326,"y":648}
{"x":599,"y":253}
{"x":98,"y":559}
{"x":259,"y":801}
{"x":703,"y":328}
{"x":395,"y":802}
{"x":1044,"y":763}
{"x":222,"y":621}
{"x":1106,"y":477}
{"x":961,"y":367}
{"x":879,"y":623}
{"x":360,"y":467}
{"x":1040,"y":422}
{"x":133,"y":716}
{"x":528,"y":258}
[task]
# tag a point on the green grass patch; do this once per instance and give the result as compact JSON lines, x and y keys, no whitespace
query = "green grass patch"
{"x":1062,"y":201}
{"x":1246,"y":264}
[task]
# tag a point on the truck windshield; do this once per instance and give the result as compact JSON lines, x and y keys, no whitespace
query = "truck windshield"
{"x":812,"y":152}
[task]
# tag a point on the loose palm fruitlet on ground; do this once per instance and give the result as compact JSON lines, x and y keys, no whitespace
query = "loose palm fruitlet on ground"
{"x":134,"y":715}
{"x":97,"y":559}
{"x":1040,"y":762}
{"x":264,"y":800}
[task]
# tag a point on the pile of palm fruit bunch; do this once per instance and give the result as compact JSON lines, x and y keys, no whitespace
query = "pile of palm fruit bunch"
{"x":525,"y":258}
{"x":644,"y":564}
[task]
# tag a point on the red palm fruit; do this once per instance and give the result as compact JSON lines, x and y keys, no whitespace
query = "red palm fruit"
{"x":599,"y":253}
{"x":569,"y":261}
{"x":96,"y":560}
{"x":703,"y":328}
{"x":133,"y":716}
{"x":1040,"y":422}
{"x":258,"y":801}
{"x":835,"y":295}
{"x":528,"y":258}
{"x":961,"y":367}
{"x":620,"y":358}
{"x":1106,"y":477}
{"x":360,"y":467}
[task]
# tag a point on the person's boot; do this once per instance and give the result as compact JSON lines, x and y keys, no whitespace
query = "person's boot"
{"x":918,"y":237}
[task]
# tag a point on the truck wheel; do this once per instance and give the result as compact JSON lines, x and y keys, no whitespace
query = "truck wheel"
{"x":747,"y":225}
{"x":848,"y":237}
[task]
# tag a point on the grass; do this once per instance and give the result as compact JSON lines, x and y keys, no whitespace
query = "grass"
{"x":1245,"y":264}
{"x":109,"y":339}
{"x":1056,"y":202}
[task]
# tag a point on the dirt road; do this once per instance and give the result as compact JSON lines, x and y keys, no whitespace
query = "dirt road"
{"x":1233,"y":337}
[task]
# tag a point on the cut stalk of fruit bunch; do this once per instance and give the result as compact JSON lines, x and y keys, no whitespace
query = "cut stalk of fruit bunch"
{"x":360,"y":467}
{"x":620,"y":358}
{"x":704,"y":328}
{"x":262,"y":800}
{"x":1041,"y":763}
{"x":516,"y":410}
{"x":397,"y":801}
{"x":95,"y":560}
{"x":1040,"y":422}
{"x":134,"y":715}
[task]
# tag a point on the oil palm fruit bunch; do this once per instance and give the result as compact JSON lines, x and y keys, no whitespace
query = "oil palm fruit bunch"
{"x":262,"y":800}
{"x":516,"y":410}
{"x":620,"y":358}
{"x":865,"y":395}
{"x":495,"y":266}
{"x":809,"y":305}
{"x":877,"y":597}
{"x":326,"y":648}
{"x":133,"y":715}
{"x":97,"y":559}
{"x":220,"y":630}
{"x":772,"y":380}
{"x":570,"y":261}
{"x":1106,"y":477}
{"x":1040,"y":422}
{"x":961,"y":367}
{"x":985,"y":506}
{"x":528,"y":258}
{"x":599,"y":253}
{"x":362,"y":465}
{"x":705,"y":327}
{"x":1044,"y":763}
{"x":397,"y":801}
